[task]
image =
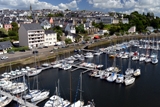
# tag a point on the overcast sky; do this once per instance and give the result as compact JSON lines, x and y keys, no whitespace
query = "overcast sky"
{"x":125,"y":6}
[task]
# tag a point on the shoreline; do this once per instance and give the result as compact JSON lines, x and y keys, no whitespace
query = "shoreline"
{"x":52,"y":56}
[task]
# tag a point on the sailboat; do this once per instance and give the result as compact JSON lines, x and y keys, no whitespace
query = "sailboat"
{"x":56,"y":100}
{"x":4,"y":101}
{"x":34,"y":71}
{"x":39,"y":95}
{"x":129,"y":70}
{"x":32,"y":93}
{"x":80,"y":103}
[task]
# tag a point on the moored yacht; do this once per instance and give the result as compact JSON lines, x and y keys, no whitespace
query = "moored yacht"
{"x":112,"y":77}
{"x":120,"y":78}
{"x":4,"y":101}
{"x":129,"y":80}
{"x":137,"y":72}
{"x":89,"y":55}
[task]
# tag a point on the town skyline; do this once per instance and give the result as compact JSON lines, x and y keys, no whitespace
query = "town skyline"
{"x":121,"y":6}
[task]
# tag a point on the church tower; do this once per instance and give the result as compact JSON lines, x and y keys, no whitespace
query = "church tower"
{"x":30,"y":7}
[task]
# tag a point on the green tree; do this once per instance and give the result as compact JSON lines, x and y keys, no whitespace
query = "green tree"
{"x":80,"y":29}
{"x":14,"y":26}
{"x":12,"y":33}
{"x":68,"y":41}
{"x":3,"y":32}
{"x":50,"y":15}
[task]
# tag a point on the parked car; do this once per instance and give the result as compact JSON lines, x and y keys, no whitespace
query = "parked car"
{"x":22,"y":50}
{"x":4,"y":57}
{"x":35,"y":52}
{"x":45,"y":46}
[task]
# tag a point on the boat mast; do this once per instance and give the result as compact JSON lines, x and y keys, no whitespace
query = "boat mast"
{"x":70,"y":86}
{"x":81,"y":86}
{"x":129,"y":64}
{"x":58,"y":88}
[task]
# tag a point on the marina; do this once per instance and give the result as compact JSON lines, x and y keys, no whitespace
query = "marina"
{"x":93,"y":62}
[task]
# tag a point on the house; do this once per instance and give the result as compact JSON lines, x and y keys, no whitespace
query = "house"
{"x":132,"y":29}
{"x":70,"y":28}
{"x":150,"y":28}
{"x":71,"y":36}
{"x":50,"y":38}
{"x":115,"y":21}
{"x":4,"y":46}
{"x":107,"y":20}
{"x":45,"y":24}
{"x":7,"y":26}
{"x":125,"y":21}
{"x":31,"y":35}
{"x":51,"y":20}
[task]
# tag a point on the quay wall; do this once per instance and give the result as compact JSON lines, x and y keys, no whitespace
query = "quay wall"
{"x":52,"y":56}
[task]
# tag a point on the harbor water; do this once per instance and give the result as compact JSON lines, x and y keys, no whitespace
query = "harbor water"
{"x":144,"y":92}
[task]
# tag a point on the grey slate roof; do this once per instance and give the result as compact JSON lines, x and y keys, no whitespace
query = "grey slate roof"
{"x":32,"y":26}
{"x":6,"y":44}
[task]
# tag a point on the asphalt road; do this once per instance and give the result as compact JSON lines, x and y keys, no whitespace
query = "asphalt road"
{"x":29,"y":53}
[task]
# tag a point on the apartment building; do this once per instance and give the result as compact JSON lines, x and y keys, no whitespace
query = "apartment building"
{"x":31,"y":35}
{"x":50,"y":38}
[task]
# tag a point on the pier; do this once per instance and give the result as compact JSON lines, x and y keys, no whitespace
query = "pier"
{"x":88,"y":50}
{"x":81,"y":67}
{"x":18,"y":99}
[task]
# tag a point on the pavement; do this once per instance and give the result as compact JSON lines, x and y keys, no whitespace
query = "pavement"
{"x":28,"y":53}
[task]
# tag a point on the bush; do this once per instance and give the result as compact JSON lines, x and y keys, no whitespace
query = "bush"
{"x":68,"y":41}
{"x":18,"y":49}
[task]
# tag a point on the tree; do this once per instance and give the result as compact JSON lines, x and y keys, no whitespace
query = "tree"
{"x":3,"y":32}
{"x":68,"y":41}
{"x":80,"y":29}
{"x":12,"y":33}
{"x":14,"y":26}
{"x":101,"y":25}
{"x":50,"y":15}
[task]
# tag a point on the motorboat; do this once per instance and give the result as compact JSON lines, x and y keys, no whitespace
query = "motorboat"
{"x":45,"y":64}
{"x":120,"y":78}
{"x":154,"y":60}
{"x":129,"y":80}
{"x":134,"y":58}
{"x":89,"y":55}
{"x":104,"y":74}
{"x":142,"y":57}
{"x":78,"y":103}
{"x":148,"y":59}
{"x":124,"y":56}
{"x":112,"y":77}
{"x":129,"y":71}
{"x":137,"y":72}
{"x":98,"y":53}
{"x":57,"y":65}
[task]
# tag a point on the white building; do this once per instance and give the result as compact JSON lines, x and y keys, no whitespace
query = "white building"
{"x":50,"y":38}
{"x":70,"y":28}
{"x":132,"y":29}
{"x":45,"y":24}
{"x":31,"y":35}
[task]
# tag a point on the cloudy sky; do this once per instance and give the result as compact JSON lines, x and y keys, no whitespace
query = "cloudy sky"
{"x":125,"y":6}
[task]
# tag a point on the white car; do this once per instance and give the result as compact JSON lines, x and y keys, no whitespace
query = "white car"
{"x":4,"y":57}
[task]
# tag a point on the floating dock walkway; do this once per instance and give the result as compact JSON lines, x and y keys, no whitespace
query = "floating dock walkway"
{"x":18,"y":99}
